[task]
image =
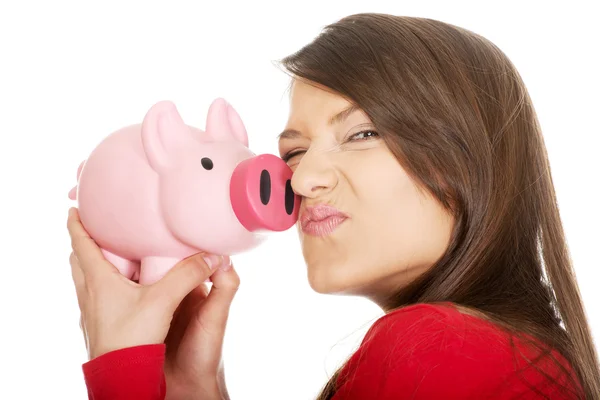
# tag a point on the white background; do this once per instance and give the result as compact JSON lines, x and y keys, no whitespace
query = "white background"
{"x":72,"y":72}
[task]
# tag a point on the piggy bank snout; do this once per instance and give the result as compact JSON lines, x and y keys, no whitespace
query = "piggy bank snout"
{"x":266,"y":189}
{"x":262,"y":196}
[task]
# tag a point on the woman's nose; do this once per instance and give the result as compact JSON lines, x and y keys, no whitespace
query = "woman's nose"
{"x":313,"y":176}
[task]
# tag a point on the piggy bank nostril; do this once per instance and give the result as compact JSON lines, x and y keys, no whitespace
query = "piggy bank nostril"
{"x":289,"y":197}
{"x":265,"y":187}
{"x":207,"y":163}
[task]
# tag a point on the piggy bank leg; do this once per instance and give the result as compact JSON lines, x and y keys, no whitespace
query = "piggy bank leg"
{"x":127,"y":268}
{"x":154,"y":268}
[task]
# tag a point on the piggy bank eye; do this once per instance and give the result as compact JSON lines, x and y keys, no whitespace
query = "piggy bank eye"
{"x":207,"y":163}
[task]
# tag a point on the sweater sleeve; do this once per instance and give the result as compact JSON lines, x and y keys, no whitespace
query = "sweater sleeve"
{"x":125,"y":374}
{"x":427,"y":352}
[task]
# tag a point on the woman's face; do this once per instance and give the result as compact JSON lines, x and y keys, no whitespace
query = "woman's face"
{"x":385,"y":231}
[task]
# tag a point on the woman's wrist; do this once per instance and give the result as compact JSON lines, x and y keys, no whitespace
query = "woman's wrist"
{"x":223,"y":393}
{"x":215,"y":390}
{"x":221,"y":383}
{"x":204,"y":390}
{"x":100,"y":350}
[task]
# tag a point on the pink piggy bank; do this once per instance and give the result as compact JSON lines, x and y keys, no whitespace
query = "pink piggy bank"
{"x":154,"y":193}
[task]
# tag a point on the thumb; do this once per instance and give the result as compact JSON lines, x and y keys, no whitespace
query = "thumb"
{"x":213,"y":314}
{"x":186,"y":275}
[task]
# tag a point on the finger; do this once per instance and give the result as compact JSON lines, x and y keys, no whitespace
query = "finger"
{"x":78,"y":279}
{"x":184,"y":277}
{"x":213,"y":314}
{"x":84,"y":247}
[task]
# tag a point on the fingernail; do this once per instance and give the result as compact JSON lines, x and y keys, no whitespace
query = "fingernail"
{"x":212,"y":261}
{"x":226,"y":266}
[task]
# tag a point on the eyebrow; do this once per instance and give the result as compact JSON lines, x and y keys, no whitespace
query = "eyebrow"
{"x":336,"y":119}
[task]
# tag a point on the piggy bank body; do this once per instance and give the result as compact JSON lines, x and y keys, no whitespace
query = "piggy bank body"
{"x":154,"y":193}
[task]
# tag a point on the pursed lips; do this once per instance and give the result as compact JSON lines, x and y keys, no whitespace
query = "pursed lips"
{"x":321,"y":219}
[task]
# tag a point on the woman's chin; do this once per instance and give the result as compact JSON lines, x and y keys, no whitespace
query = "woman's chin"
{"x":327,"y":279}
{"x":319,"y":285}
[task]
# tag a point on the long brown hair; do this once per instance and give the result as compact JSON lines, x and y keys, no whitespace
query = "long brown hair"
{"x":455,"y":112}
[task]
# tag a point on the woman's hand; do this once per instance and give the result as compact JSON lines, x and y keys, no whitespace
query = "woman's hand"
{"x":194,"y":365}
{"x":117,"y":313}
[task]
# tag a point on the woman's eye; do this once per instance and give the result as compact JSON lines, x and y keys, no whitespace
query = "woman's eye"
{"x":364,"y":135}
{"x":292,"y":154}
{"x":359,"y":136}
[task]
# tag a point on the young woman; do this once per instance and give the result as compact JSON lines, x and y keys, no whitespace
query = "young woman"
{"x":426,"y":188}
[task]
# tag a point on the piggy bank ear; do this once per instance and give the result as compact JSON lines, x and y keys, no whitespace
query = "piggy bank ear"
{"x":223,"y":122}
{"x":164,"y":135}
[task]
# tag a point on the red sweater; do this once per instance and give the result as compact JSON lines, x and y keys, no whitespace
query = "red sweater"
{"x":418,"y":352}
